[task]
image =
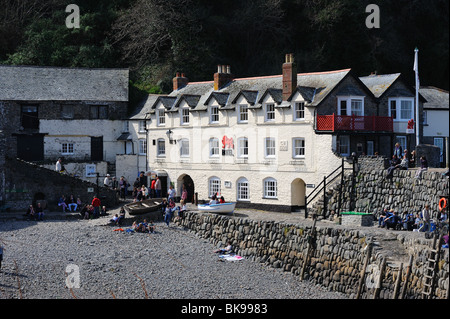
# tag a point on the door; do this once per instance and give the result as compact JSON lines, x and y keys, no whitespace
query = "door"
{"x":96,"y":148}
{"x":189,"y":184}
{"x":369,"y":147}
{"x":129,"y":147}
{"x":439,"y":141}
{"x":30,"y":147}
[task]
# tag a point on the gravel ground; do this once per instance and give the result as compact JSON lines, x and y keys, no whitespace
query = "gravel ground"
{"x":171,"y":264}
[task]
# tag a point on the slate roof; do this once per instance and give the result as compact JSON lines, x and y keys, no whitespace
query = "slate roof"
{"x":144,"y":107}
{"x":437,"y":99}
{"x":378,"y":84}
{"x":314,"y":87}
{"x":35,"y":83}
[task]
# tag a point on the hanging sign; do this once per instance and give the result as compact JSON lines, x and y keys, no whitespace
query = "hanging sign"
{"x":410,"y":127}
{"x":227,"y":146}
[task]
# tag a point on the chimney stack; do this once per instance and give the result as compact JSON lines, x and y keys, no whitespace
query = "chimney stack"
{"x":179,"y":81}
{"x":222,"y":77}
{"x":289,"y":76}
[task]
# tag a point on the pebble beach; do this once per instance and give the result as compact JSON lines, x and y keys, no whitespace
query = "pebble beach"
{"x":89,"y":259}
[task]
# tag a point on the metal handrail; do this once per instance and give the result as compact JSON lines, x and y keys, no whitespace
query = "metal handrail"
{"x":322,"y":187}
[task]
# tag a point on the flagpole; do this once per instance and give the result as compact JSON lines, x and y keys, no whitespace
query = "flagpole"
{"x":416,"y":69}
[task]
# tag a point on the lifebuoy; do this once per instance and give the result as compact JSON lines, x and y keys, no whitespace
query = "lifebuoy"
{"x":442,"y":204}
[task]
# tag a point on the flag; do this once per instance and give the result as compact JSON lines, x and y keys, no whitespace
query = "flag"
{"x":416,"y":66}
{"x":416,"y":61}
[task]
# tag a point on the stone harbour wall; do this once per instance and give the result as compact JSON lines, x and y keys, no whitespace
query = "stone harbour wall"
{"x":336,"y":256}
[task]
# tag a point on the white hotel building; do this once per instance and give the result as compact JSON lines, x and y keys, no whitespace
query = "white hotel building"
{"x":264,"y":141}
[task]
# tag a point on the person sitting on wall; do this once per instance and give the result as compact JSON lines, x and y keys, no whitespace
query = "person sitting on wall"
{"x":39,"y":212}
{"x":79,"y":203}
{"x":417,"y":222}
{"x":382,"y":217}
{"x":181,"y":211}
{"x":72,"y":204}
{"x":388,"y":215}
{"x":392,"y":221}
{"x":394,"y":164}
{"x":408,"y":222}
{"x":62,"y":203}
{"x":412,"y":159}
{"x":84,"y":212}
{"x":30,"y":214}
{"x":423,"y":167}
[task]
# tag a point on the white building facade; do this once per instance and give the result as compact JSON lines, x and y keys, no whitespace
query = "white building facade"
{"x":263,"y":142}
{"x":251,"y":140}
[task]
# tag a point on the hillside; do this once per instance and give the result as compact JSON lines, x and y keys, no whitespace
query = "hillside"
{"x":157,"y":38}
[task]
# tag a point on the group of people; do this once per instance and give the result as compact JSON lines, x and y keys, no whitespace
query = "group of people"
{"x":169,"y":208}
{"x":403,"y":160}
{"x":71,"y":204}
{"x":35,"y":213}
{"x":215,"y":199}
{"x":120,"y":186}
{"x":94,"y":209}
{"x":142,"y":192}
{"x":143,"y":227}
{"x":420,"y":221}
{"x":118,"y":218}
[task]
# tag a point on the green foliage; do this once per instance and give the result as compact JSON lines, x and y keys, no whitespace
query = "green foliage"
{"x":156,"y":38}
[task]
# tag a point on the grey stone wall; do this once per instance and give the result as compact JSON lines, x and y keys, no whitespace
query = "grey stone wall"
{"x":337,"y":255}
{"x":431,"y":152}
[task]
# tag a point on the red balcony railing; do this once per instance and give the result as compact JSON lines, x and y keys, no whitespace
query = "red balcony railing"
{"x":354,"y":123}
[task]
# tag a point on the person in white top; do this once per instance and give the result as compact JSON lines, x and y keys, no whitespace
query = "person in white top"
{"x":171,"y":192}
{"x":107,"y":181}
{"x":58,"y":166}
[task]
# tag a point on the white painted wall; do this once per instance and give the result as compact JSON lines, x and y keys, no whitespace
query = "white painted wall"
{"x":437,"y":123}
{"x":79,"y":133}
{"x":319,"y":159}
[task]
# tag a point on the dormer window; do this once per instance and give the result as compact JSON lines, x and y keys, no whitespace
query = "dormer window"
{"x":243,"y":113}
{"x":214,"y":114}
{"x":142,"y":127}
{"x":184,"y":113}
{"x":161,"y":117}
{"x":299,"y":111}
{"x":269,"y":112}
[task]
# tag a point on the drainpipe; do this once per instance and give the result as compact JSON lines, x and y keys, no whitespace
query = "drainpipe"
{"x":447,"y":153}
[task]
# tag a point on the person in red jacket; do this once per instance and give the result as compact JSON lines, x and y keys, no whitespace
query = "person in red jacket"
{"x":96,"y":204}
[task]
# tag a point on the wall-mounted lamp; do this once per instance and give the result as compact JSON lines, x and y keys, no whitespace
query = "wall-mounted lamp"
{"x":169,"y":134}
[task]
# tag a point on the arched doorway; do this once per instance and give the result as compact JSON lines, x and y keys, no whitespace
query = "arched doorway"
{"x":187,"y":182}
{"x":298,"y":194}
